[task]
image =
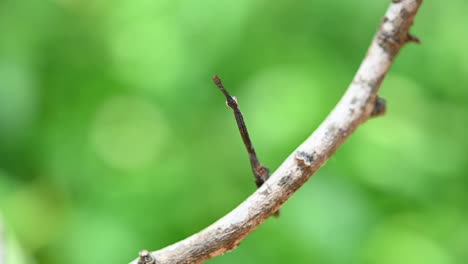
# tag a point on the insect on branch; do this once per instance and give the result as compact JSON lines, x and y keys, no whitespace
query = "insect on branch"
{"x":261,"y":173}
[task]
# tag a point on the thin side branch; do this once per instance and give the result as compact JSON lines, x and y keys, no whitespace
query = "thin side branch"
{"x":260,"y":172}
{"x":354,"y":108}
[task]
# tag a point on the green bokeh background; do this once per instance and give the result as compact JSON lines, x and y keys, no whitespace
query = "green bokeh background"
{"x":114,"y":139}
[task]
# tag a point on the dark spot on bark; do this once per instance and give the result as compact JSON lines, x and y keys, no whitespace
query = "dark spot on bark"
{"x":266,"y":192}
{"x":232,"y":246}
{"x":404,"y":13}
{"x":359,"y":80}
{"x":374,"y":83}
{"x":284,"y":180}
{"x":331,"y":130}
{"x":389,"y":43}
{"x":354,"y":100}
{"x":343,"y":132}
{"x":304,"y":159}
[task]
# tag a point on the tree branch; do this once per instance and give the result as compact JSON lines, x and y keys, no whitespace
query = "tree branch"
{"x":355,"y":107}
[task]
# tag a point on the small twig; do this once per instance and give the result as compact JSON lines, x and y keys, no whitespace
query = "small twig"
{"x":412,"y":38}
{"x":260,"y":172}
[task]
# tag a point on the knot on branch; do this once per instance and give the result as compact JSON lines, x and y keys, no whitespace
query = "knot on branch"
{"x":394,"y":30}
{"x":146,"y":257}
{"x":412,"y":38}
{"x":380,"y":107}
{"x":231,"y":101}
{"x":304,"y":159}
{"x":261,"y":174}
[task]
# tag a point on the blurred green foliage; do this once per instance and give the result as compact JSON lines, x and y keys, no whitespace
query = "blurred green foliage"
{"x":113,"y":138}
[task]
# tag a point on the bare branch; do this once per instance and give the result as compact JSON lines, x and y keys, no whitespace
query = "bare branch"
{"x":354,"y":108}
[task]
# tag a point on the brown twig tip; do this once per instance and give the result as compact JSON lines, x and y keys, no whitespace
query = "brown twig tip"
{"x":231,"y":101}
{"x":411,"y":38}
{"x":218,"y":82}
{"x":146,"y":257}
{"x":380,"y":107}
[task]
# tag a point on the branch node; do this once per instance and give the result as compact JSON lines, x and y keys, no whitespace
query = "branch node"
{"x":235,"y":100}
{"x":231,"y":101}
{"x":261,"y":174}
{"x":412,"y":38}
{"x":146,"y":257}
{"x":380,"y":107}
{"x":304,"y":159}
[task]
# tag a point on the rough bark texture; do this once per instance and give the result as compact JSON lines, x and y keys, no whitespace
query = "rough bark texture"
{"x":354,"y":108}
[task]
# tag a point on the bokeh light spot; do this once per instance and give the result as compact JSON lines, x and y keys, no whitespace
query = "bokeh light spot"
{"x":146,"y":45}
{"x":128,"y":133}
{"x":18,"y":98}
{"x":392,"y":242}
